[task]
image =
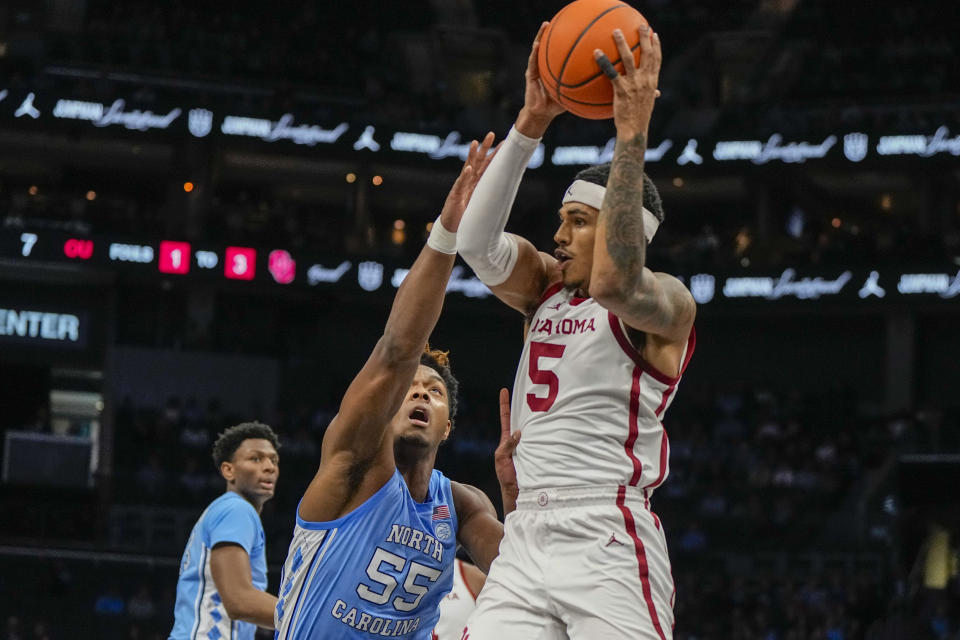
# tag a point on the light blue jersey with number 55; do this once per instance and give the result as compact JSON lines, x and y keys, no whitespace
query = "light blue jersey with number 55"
{"x":377,"y":572}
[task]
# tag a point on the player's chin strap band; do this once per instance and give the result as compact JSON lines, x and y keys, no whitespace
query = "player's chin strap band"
{"x":592,"y":194}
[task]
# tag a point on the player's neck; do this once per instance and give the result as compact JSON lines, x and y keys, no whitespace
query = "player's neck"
{"x":416,"y":472}
{"x":418,"y":482}
{"x":252,"y":500}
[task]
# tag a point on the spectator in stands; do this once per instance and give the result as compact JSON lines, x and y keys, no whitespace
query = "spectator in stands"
{"x":141,"y":605}
{"x":301,"y":445}
{"x":109,"y":603}
{"x":12,"y":630}
{"x":40,"y":630}
{"x":693,"y":540}
{"x":152,"y":477}
{"x":192,"y":481}
{"x":194,"y":435}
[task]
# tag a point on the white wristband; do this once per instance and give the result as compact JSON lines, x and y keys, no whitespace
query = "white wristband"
{"x":442,"y":240}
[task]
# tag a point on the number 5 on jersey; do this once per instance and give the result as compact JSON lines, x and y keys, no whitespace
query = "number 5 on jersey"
{"x":541,"y":376}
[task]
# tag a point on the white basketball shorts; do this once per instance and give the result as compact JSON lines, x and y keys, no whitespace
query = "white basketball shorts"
{"x":578,"y":563}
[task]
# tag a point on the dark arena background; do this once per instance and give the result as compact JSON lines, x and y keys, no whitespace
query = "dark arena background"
{"x":206,"y":208}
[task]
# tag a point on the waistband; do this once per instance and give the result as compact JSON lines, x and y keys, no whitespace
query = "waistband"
{"x":560,"y":498}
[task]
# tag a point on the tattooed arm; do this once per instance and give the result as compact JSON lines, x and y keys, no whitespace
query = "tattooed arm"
{"x":654,"y":303}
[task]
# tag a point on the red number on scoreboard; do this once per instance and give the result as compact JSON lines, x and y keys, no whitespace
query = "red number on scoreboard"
{"x":174,"y":257}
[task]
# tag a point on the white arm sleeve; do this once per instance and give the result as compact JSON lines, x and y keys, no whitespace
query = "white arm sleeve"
{"x":490,"y":252}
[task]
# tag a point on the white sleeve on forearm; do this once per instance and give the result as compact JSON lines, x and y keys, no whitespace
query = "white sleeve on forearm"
{"x":490,"y":252}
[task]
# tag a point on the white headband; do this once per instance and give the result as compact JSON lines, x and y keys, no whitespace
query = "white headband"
{"x":592,"y":194}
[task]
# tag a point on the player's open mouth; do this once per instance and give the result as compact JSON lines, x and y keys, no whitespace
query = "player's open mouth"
{"x":562,"y":257}
{"x":420,"y":416}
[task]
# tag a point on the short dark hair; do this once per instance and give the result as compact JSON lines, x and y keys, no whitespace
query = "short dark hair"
{"x":600,"y":173}
{"x":439,"y":361}
{"x":230,"y":440}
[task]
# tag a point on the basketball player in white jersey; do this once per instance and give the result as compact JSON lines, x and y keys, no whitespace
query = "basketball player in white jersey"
{"x":583,"y":556}
{"x":457,"y":605}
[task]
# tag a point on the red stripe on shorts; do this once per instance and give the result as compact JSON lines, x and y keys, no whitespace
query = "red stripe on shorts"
{"x":644,"y":570}
{"x":673,"y":583}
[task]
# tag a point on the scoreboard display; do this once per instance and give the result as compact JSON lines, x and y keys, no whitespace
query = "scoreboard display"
{"x":165,"y":257}
{"x":181,"y":259}
{"x":280,"y":267}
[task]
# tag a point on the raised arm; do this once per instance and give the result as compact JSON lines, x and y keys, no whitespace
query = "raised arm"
{"x":357,"y":454}
{"x":654,"y":303}
{"x":510,"y":265}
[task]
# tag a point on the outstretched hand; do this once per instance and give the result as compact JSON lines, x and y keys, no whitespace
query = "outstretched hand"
{"x":539,"y":109}
{"x":635,"y":90}
{"x":503,"y":456}
{"x":478,"y":159}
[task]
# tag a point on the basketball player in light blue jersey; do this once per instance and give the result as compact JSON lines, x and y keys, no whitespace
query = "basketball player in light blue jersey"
{"x":223,"y":573}
{"x":375,"y":541}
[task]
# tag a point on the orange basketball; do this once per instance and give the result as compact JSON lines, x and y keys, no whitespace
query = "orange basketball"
{"x":568,"y":69}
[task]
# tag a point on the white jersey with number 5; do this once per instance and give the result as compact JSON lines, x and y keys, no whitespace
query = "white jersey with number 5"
{"x":589,"y":406}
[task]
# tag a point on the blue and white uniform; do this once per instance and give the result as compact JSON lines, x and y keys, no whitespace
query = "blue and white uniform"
{"x":199,"y":612}
{"x":378,"y":572}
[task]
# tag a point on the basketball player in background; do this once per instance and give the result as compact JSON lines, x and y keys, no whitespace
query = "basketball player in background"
{"x":376,"y":532}
{"x":608,"y":339}
{"x":223,"y":573}
{"x":457,"y":605}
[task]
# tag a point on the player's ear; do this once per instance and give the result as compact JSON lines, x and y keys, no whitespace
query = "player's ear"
{"x":226,"y":470}
{"x":446,"y":432}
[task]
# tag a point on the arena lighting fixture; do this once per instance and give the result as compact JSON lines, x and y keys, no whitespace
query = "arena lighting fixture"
{"x":678,"y":182}
{"x":33,"y":190}
{"x":91,"y":195}
{"x":836,"y":222}
{"x":399,"y":225}
{"x":351,"y":177}
{"x":188,"y":186}
{"x":377,"y":181}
